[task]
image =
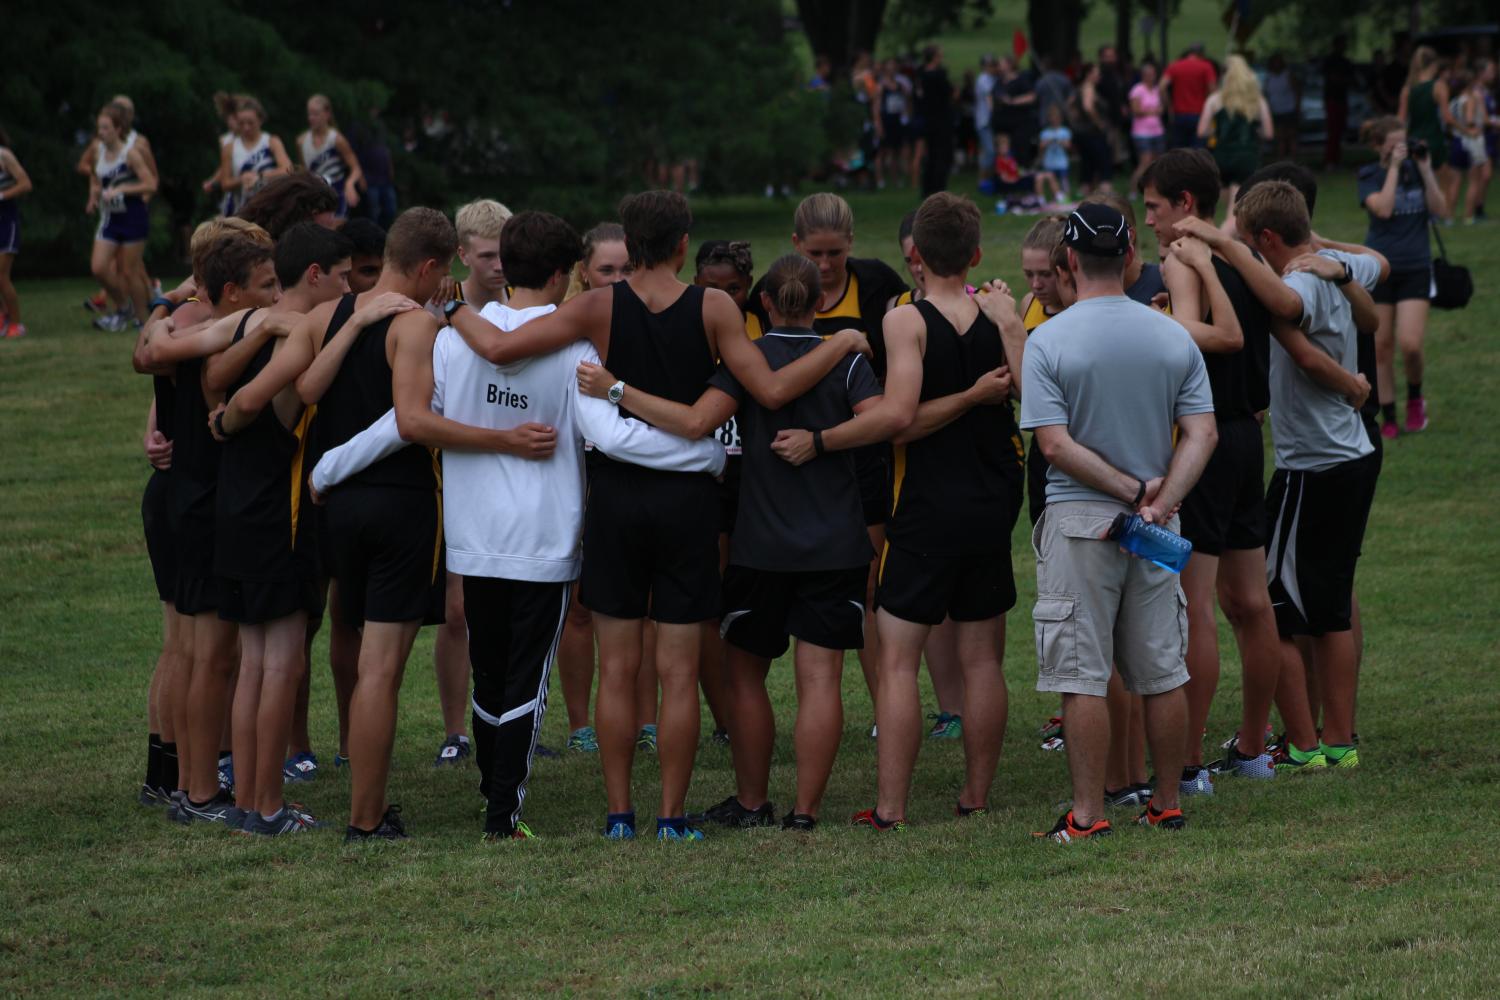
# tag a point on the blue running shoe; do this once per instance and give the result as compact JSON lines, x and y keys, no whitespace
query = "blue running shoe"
{"x":543,"y":750}
{"x":454,"y":752}
{"x":287,"y":820}
{"x":583,"y":740}
{"x":340,"y":761}
{"x":645,"y":740}
{"x":302,"y":767}
{"x":674,"y":833}
{"x":619,"y":826}
{"x":945,"y":726}
{"x":226,"y":774}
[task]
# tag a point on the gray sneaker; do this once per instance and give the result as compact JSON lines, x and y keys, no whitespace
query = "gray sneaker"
{"x":220,"y":809}
{"x":290,"y":821}
{"x":1195,"y":781}
{"x":1130,"y":795}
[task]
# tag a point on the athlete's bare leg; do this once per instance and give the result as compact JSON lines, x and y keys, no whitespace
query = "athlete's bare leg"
{"x":1198,"y":583}
{"x":575,"y":662}
{"x":450,"y":660}
{"x":131,"y":268}
{"x":677,"y":652}
{"x":980,"y":648}
{"x":1247,"y":605}
{"x":343,"y":662}
{"x":209,"y":686}
{"x":898,"y":712}
{"x":383,"y":650}
{"x":283,"y":666}
{"x":245,"y":711}
{"x":1291,"y":698}
{"x":102,"y":263}
{"x":869,"y":657}
{"x":646,"y":689}
{"x":752,"y":733}
{"x":1087,"y":746}
{"x":1166,"y":724}
{"x":10,"y":303}
{"x":820,"y":722}
{"x":179,"y":636}
{"x":945,"y":668}
{"x":615,"y":710}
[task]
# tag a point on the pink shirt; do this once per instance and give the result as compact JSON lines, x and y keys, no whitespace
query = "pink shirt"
{"x":1149,"y":125}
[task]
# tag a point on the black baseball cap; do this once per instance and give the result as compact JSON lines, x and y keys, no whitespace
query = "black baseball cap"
{"x":1097,"y":229}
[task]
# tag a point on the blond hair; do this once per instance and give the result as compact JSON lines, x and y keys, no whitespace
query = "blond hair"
{"x":482,"y":219}
{"x":209,"y":233}
{"x":1240,"y":91}
{"x":824,"y":212}
{"x":604,"y":232}
{"x":1044,"y":234}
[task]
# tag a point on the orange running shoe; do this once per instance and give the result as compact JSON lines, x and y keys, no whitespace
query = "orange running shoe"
{"x":1066,"y":831}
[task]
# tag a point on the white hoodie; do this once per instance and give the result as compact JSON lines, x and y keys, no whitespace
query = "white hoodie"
{"x":508,"y":517}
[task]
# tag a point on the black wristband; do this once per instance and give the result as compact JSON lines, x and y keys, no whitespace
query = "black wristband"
{"x":1140,"y":494}
{"x":219,"y":424}
{"x":818,"y":442}
{"x":1348,"y":276}
{"x":160,"y":300}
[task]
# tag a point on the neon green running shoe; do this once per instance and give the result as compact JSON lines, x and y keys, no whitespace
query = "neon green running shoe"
{"x":1340,"y":757}
{"x":1289,"y":759}
{"x":945,"y":726}
{"x":645,"y":740}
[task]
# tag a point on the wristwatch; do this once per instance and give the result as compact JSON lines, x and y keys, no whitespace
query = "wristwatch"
{"x":450,"y":307}
{"x":617,"y":393}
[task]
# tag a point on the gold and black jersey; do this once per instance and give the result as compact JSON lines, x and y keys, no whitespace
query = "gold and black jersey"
{"x":871,"y":284}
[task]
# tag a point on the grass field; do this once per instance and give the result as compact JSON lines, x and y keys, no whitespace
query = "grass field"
{"x":1381,"y":882}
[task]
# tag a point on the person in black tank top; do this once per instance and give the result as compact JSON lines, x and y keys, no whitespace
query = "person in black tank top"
{"x":650,"y":538}
{"x":947,"y":550}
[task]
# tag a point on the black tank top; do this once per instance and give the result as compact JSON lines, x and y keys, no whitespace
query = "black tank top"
{"x":259,"y":494}
{"x":1240,"y":380}
{"x":195,"y":453}
{"x":664,"y":353}
{"x":359,"y":395}
{"x":952,"y":486}
{"x":165,"y":394}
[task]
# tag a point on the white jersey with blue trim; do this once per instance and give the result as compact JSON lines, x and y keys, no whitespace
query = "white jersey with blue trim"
{"x":7,"y":180}
{"x":254,"y":160}
{"x":323,"y":158}
{"x":113,"y":170}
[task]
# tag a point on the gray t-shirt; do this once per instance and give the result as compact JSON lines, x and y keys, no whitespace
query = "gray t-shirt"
{"x":1119,"y":375}
{"x":1312,"y":427}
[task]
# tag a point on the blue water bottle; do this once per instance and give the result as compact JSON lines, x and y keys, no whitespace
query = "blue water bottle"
{"x":1151,"y":542}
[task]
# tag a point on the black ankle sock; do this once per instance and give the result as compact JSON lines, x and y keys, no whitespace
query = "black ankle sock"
{"x":1414,"y":390}
{"x":153,"y":760}
{"x":1388,"y":412}
{"x":168,"y":775}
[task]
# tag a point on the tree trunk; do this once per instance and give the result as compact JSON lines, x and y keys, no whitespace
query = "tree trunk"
{"x":841,"y":29}
{"x":1054,"y":28}
{"x":1123,"y":30}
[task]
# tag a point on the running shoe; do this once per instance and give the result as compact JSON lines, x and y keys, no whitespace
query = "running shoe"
{"x":152,"y":795}
{"x":871,"y":819}
{"x":645,"y":740}
{"x":620,"y":827}
{"x":1388,"y":430}
{"x":454,"y":751}
{"x":1416,"y":415}
{"x":1195,"y":781}
{"x":300,"y":768}
{"x":1344,"y":758}
{"x":96,"y":303}
{"x":1289,"y":759}
{"x":521,"y":832}
{"x":1052,"y":734}
{"x":340,"y":761}
{"x":14,"y":331}
{"x":288,"y":820}
{"x":219,"y":809}
{"x":174,"y":802}
{"x":964,"y":812}
{"x":945,"y":726}
{"x":1234,"y":740}
{"x":720,"y":737}
{"x":874,"y":731}
{"x":543,"y":750}
{"x":583,"y":740}
{"x":226,"y":774}
{"x":801,"y":822}
{"x":1162,"y":819}
{"x":389,"y":828}
{"x":1065,"y":831}
{"x":686,"y":834}
{"x":1130,"y":795}
{"x":732,"y":814}
{"x":1258,"y":768}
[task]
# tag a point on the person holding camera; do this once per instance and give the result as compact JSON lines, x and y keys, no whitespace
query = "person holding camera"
{"x":1402,"y":195}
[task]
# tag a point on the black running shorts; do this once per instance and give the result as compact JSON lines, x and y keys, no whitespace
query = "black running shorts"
{"x":161,"y":540}
{"x":256,"y":602}
{"x":928,"y":588}
{"x":763,"y":608}
{"x":1414,"y":283}
{"x":1226,"y":509}
{"x":651,"y":545}
{"x":1317,"y":526}
{"x":387,"y":547}
{"x":872,"y":466}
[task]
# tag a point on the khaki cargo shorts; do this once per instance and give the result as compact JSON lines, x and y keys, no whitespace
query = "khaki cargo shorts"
{"x":1096,"y":605}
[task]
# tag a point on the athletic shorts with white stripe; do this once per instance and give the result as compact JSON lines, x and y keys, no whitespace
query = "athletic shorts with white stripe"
{"x":1317,"y":522}
{"x":513,"y":630}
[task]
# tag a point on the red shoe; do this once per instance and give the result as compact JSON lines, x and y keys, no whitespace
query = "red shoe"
{"x":1162,"y":819}
{"x":869,"y":818}
{"x":1416,"y":415}
{"x":1388,"y":430}
{"x":1066,"y":831}
{"x":13,"y":330}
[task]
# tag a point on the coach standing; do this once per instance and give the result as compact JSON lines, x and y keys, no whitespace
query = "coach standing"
{"x":1104,"y":382}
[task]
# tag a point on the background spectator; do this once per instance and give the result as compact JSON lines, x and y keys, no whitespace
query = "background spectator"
{"x":1015,"y":109}
{"x":984,"y":87}
{"x":1338,"y":74}
{"x":1188,"y":82}
{"x":1147,"y":132}
{"x":1284,"y":95}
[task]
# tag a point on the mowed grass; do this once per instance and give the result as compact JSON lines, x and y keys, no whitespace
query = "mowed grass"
{"x":1379,"y":881}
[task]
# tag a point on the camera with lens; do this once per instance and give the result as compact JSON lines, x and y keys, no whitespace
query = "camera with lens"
{"x":1417,"y":149}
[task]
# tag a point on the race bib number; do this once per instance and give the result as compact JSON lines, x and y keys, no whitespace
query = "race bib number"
{"x":729,"y":436}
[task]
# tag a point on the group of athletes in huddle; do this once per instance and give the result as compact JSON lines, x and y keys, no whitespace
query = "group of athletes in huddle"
{"x":712,"y":469}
